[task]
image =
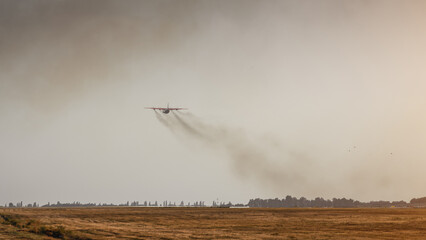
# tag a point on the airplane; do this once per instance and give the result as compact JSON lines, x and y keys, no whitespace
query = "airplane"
{"x":167,"y":109}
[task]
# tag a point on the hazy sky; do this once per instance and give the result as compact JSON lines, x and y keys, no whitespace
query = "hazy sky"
{"x":326,"y":96}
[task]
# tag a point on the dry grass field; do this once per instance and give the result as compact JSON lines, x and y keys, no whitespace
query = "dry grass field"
{"x":211,"y":223}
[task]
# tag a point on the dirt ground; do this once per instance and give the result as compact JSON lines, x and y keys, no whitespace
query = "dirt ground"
{"x":211,"y":223}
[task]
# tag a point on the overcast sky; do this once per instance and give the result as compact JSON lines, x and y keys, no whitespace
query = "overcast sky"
{"x":332,"y":92}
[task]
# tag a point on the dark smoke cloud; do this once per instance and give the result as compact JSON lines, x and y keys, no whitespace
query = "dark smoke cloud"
{"x":281,"y":169}
{"x":54,"y":52}
{"x":265,"y":162}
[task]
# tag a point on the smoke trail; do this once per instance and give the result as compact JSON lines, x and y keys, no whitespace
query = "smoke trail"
{"x":188,"y":127}
{"x":161,"y":119}
{"x":262,"y":161}
{"x":164,"y":121}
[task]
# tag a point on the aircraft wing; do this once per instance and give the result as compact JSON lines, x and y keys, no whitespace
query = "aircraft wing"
{"x":171,"y":109}
{"x":156,"y":108}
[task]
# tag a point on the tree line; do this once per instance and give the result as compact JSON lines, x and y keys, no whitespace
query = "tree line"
{"x":287,"y":202}
{"x":293,"y":202}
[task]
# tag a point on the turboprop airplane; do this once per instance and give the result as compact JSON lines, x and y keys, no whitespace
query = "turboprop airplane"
{"x":167,"y":109}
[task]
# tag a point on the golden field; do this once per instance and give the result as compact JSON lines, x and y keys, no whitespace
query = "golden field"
{"x":211,"y":223}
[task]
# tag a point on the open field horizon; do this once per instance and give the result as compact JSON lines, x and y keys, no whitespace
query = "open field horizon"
{"x":212,"y":223}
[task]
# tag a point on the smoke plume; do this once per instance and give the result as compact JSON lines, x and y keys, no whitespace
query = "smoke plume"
{"x":260,"y":160}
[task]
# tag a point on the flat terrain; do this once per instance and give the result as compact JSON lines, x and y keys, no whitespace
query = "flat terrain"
{"x":211,"y":223}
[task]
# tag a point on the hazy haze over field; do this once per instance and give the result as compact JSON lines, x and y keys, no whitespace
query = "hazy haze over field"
{"x":328,"y":94}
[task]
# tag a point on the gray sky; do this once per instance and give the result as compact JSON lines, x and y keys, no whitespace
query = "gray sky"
{"x":326,"y":96}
